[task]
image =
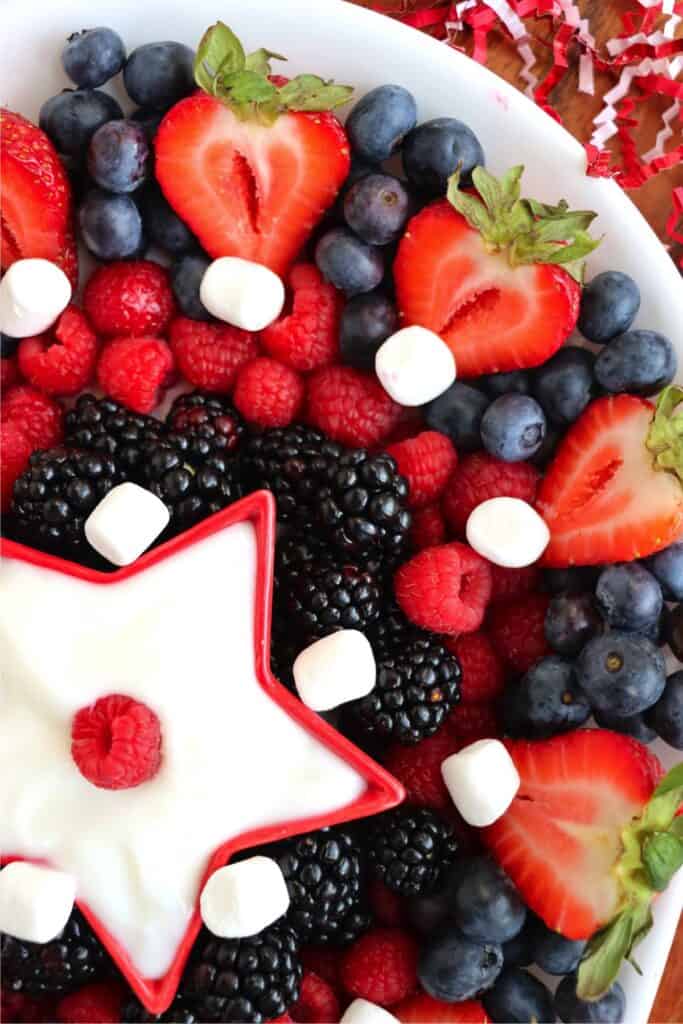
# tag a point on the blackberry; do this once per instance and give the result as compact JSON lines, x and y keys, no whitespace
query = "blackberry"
{"x":417,"y":686}
{"x":73,"y":959}
{"x":102,"y":425}
{"x":209,"y":424}
{"x":191,"y":492}
{"x":244,"y":980}
{"x":410,"y":850}
{"x":180,"y":1011}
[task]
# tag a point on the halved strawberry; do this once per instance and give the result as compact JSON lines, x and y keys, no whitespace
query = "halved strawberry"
{"x":608,"y":496}
{"x":422,"y":1009}
{"x":36,"y":216}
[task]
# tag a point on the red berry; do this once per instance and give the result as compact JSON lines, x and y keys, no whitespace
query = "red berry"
{"x":507,"y":583}
{"x":428,"y":527}
{"x":317,"y":1002}
{"x":517,"y":630}
{"x":381,"y":966}
{"x":471,"y":722}
{"x":210,"y":355}
{"x":479,"y":477}
{"x":325,"y":961}
{"x":40,"y":417}
{"x":418,"y":769}
{"x":99,"y":1003}
{"x":350,"y":406}
{"x":61,"y":361}
{"x":17,"y":1008}
{"x":15,"y":448}
{"x":444,"y":589}
{"x":308,"y":337}
{"x":129,"y":297}
{"x":426,"y":461}
{"x":116,"y":742}
{"x":422,"y":1009}
{"x":386,"y":905}
{"x":268,"y":393}
{"x":483,"y":672}
{"x":409,"y":424}
{"x":135,"y":371}
{"x":9,"y":373}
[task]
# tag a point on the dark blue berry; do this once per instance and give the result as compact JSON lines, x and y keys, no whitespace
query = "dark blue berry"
{"x":519,"y":997}
{"x":544,"y":702}
{"x":570,"y":622}
{"x":380,"y":120}
{"x":629,"y":596}
{"x":609,"y":304}
{"x":72,"y":118}
{"x":428,"y":912}
{"x":377,"y":208}
{"x":673,"y":630}
{"x":609,"y":1009}
{"x":553,"y":952}
{"x":111,"y":226}
{"x":186,"y":277}
{"x":639,"y":362}
{"x":486,"y":905}
{"x":149,"y":119}
{"x":48,"y":106}
{"x":513,"y":428}
{"x":621,"y":673}
{"x":565,"y":384}
{"x":458,"y":413}
{"x":570,"y":581}
{"x":163,"y":225}
{"x":666,"y":717}
{"x":93,"y":56}
{"x":366,"y":321}
{"x":119,"y":157}
{"x":667,"y":567}
{"x":348,"y":262}
{"x":517,"y":951}
{"x":454,"y":968}
{"x":498,"y":384}
{"x":435,"y":149}
{"x":636,"y":725}
{"x":8,"y":346}
{"x":546,"y":453}
{"x":159,"y":74}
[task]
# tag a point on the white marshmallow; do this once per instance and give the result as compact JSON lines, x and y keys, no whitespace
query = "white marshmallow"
{"x":508,"y":532}
{"x":414,"y":366}
{"x":125,"y":522}
{"x":482,"y":781}
{"x":35,"y":901}
{"x":242,"y":293}
{"x":332,"y":671}
{"x":243,"y":898}
{"x":361,"y":1011}
{"x":33,"y":293}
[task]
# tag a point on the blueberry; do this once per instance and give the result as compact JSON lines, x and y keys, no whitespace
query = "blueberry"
{"x":454,"y":968}
{"x":546,"y":701}
{"x":8,"y":346}
{"x":162,"y":223}
{"x":486,"y":905}
{"x":666,"y":717}
{"x":159,"y":74}
{"x":673,"y":630}
{"x":546,"y":453}
{"x":609,"y":304}
{"x":635,"y":725}
{"x":186,"y":277}
{"x":570,"y":581}
{"x":667,"y":567}
{"x":513,"y":428}
{"x":73,"y":117}
{"x":119,"y":157}
{"x":366,"y":321}
{"x":498,"y":384}
{"x":553,"y":953}
{"x":380,"y":120}
{"x":621,"y":673}
{"x":564,"y":385}
{"x":433,"y":151}
{"x":377,"y":207}
{"x":570,"y":622}
{"x":609,"y":1009}
{"x":348,"y":262}
{"x":428,"y":912}
{"x":149,"y":119}
{"x":517,"y":952}
{"x":111,"y":225}
{"x":93,"y":56}
{"x":629,"y":596}
{"x":519,"y":997}
{"x":48,"y":106}
{"x":640,"y":362}
{"x":458,"y":413}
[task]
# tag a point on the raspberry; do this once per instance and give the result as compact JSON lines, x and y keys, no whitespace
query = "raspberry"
{"x":40,"y":418}
{"x":444,"y":589}
{"x":15,"y":449}
{"x":61,"y":361}
{"x":409,"y":425}
{"x":386,"y":906}
{"x":507,"y":583}
{"x":470,"y":722}
{"x":134,"y":371}
{"x":483,"y":673}
{"x":423,"y":1009}
{"x":517,"y":630}
{"x":210,"y":355}
{"x":479,"y":477}
{"x":99,"y":1002}
{"x":116,"y":742}
{"x":309,"y":336}
{"x":381,"y":966}
{"x":129,"y":297}
{"x":9,"y":372}
{"x":418,"y":769}
{"x":428,"y":528}
{"x":325,"y":961}
{"x":350,"y":406}
{"x":268,"y":393}
{"x":17,"y":1008}
{"x":317,"y":1002}
{"x":426,"y":461}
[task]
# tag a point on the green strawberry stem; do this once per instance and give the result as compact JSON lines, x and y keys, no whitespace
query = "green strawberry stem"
{"x":665,"y":439}
{"x":241,"y":80}
{"x":652,"y":853}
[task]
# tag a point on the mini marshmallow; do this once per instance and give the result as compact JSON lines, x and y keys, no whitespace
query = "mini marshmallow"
{"x":33,"y":293}
{"x":414,"y":366}
{"x":35,"y":901}
{"x":482,"y":781}
{"x":244,"y":898}
{"x":242,"y":293}
{"x":125,"y":522}
{"x":508,"y":532}
{"x":361,"y":1011}
{"x":332,"y":671}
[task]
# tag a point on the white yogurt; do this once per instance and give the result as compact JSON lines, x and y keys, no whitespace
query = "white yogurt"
{"x":180,"y":638}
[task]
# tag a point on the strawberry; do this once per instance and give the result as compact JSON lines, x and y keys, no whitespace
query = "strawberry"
{"x":588,"y":840}
{"x":613,"y":491}
{"x":422,"y":1009}
{"x":36,"y":198}
{"x":484,"y":274}
{"x":252,"y":166}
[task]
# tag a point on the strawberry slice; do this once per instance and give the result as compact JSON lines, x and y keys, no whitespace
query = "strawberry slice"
{"x":36,"y":218}
{"x":608,"y":495}
{"x":422,"y":1009}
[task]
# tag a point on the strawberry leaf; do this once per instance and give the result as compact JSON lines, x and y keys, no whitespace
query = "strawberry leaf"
{"x":608,"y":948}
{"x":219,"y":52}
{"x":259,"y":61}
{"x":662,"y":857}
{"x":310,"y":93}
{"x":665,"y":441}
